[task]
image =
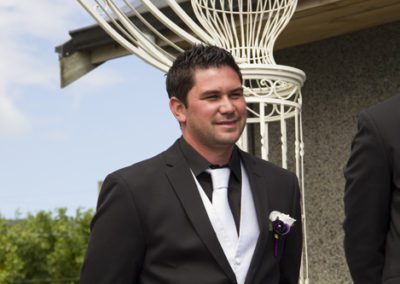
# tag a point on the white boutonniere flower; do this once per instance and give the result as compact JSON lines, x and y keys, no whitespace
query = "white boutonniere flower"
{"x":280,"y":226}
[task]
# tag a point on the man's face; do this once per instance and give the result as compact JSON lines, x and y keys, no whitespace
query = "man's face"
{"x":216,"y":110}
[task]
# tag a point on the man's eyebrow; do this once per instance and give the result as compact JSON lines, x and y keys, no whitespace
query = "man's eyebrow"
{"x":210,"y":92}
{"x":240,"y":89}
{"x":217,"y":92}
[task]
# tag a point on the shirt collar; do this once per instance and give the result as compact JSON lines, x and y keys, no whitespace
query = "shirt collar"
{"x":199,"y":164}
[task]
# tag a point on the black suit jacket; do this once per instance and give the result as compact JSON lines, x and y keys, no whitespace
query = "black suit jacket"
{"x":151,"y":227}
{"x":372,"y":196}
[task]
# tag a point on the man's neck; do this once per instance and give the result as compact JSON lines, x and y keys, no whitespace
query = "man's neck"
{"x":215,"y":155}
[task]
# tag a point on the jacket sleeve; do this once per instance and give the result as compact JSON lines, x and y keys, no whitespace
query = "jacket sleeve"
{"x":116,"y":247}
{"x":366,"y":203}
{"x":291,"y":258}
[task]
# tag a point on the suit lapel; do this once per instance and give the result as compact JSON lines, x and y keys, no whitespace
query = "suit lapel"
{"x":259,"y":185}
{"x":185,"y":188}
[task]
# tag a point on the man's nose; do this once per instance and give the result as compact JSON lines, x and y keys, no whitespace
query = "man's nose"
{"x":226,"y":105}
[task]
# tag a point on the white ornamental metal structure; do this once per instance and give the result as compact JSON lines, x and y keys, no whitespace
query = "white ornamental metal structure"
{"x":157,"y":31}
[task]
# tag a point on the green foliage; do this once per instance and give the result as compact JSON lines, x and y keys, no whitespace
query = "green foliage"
{"x":43,"y":248}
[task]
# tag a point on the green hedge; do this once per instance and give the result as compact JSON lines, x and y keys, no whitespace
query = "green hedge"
{"x":44,"y":248}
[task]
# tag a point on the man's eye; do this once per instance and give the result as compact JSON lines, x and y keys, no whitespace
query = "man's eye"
{"x":212,"y":98}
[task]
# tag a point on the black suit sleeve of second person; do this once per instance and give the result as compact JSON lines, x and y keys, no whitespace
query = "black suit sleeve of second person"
{"x":116,"y":247}
{"x":367,"y":203}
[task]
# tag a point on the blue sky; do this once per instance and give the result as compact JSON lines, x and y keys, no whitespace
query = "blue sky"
{"x":56,"y":144}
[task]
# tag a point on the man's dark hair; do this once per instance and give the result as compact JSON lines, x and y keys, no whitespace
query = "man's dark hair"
{"x":180,"y":76}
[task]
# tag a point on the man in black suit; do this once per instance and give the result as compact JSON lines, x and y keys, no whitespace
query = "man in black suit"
{"x":155,"y":220}
{"x":372,"y":196}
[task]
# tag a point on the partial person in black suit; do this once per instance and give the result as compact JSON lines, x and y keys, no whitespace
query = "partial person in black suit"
{"x":154,"y":221}
{"x":372,"y":196}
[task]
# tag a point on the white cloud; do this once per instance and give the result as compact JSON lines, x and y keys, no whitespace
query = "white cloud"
{"x":58,"y":135}
{"x":12,"y":121}
{"x":30,"y":30}
{"x":23,"y":65}
{"x":93,"y":84}
{"x":49,"y":19}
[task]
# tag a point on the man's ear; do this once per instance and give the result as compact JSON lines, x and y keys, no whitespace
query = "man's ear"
{"x":178,"y":109}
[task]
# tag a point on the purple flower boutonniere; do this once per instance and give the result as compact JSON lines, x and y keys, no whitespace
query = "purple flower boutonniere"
{"x":280,"y":226}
